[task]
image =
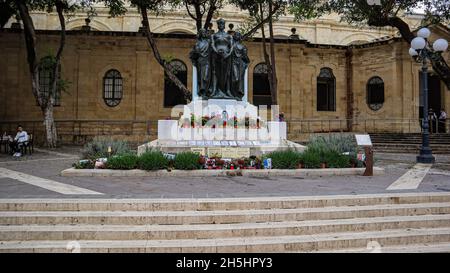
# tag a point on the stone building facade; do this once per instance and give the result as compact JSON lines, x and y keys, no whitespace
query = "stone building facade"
{"x":340,"y":73}
{"x":327,"y":29}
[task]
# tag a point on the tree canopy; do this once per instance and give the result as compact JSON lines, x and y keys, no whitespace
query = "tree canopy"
{"x":389,"y":13}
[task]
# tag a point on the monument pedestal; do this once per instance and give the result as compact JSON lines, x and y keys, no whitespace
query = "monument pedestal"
{"x":174,"y":138}
{"x":214,"y":107}
{"x":221,"y":123}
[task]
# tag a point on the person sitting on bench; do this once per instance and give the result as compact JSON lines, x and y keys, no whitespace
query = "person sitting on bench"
{"x":19,"y":141}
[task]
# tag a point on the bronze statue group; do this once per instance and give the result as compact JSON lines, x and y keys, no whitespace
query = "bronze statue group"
{"x":221,"y":61}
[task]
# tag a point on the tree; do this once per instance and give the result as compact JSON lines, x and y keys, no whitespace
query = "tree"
{"x":7,"y":10}
{"x":117,"y":7}
{"x":389,"y":13}
{"x":267,"y":12}
{"x":198,"y":9}
{"x":52,"y":62}
{"x":263,"y":12}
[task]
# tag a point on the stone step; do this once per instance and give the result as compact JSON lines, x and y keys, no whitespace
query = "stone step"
{"x":209,"y":204}
{"x":217,"y":216}
{"x":415,"y":248}
{"x":301,"y":243}
{"x":211,"y":231}
{"x":410,"y":151}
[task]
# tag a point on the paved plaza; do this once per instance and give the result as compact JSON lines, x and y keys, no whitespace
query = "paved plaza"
{"x":402,"y":174}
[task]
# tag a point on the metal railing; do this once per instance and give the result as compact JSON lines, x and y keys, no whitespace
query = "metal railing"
{"x":363,"y":125}
{"x":80,"y":131}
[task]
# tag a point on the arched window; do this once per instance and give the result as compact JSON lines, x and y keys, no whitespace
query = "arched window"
{"x":261,"y":86}
{"x":112,"y":88}
{"x":375,"y":93}
{"x":326,"y":90}
{"x":172,"y":94}
{"x":45,"y":79}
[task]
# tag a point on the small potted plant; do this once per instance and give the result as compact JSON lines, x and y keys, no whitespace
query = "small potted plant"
{"x":235,"y":122}
{"x":220,"y":163}
{"x":205,"y":120}
{"x":192,"y":120}
{"x":202,"y":160}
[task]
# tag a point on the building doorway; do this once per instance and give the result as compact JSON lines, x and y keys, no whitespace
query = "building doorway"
{"x":434,"y":93}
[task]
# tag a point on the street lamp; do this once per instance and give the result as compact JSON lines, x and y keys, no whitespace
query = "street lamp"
{"x":421,"y":51}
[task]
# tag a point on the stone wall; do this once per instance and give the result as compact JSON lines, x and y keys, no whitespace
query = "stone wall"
{"x":327,"y":29}
{"x":88,"y":56}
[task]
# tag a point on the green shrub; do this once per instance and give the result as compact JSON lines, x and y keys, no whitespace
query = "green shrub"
{"x":336,"y":160}
{"x":122,"y":162}
{"x":187,"y":161}
{"x":84,"y":164}
{"x":98,"y":148}
{"x":311,"y":159}
{"x":334,"y":142}
{"x":284,"y":159}
{"x":331,"y":149}
{"x":153,"y":160}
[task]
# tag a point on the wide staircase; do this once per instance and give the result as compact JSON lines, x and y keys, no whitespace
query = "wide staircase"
{"x":413,"y":222}
{"x":409,"y":143}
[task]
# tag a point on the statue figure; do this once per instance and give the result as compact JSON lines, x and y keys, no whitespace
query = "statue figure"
{"x":221,"y":61}
{"x":222,"y":48}
{"x":200,"y":57}
{"x":240,"y":62}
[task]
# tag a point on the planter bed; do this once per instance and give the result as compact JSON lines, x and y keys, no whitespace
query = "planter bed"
{"x":214,"y":173}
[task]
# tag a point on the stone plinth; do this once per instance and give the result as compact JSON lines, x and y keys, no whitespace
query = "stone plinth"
{"x":256,"y":147}
{"x":167,"y":129}
{"x":260,"y":138}
{"x":215,"y":107}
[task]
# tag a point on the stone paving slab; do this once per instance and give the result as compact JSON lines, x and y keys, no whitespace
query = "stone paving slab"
{"x":49,"y":166}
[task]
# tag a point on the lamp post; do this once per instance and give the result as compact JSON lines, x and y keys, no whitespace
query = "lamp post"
{"x":423,"y":52}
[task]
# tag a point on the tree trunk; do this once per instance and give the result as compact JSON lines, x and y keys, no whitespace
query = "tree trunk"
{"x":260,"y":24}
{"x":267,"y":59}
{"x":49,"y":124}
{"x":274,"y":87}
{"x":30,"y":39}
{"x":47,"y":108}
{"x":166,"y":66}
{"x":46,"y":103}
{"x":350,"y":97}
{"x":210,"y":14}
{"x":198,"y":16}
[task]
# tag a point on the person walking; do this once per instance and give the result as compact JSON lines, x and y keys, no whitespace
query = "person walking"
{"x":442,"y":121}
{"x":432,"y":119}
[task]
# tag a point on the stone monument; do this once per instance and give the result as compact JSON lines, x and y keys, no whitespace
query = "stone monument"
{"x":219,"y":114}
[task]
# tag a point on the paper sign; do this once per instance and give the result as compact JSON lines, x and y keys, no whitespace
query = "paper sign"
{"x":200,"y":143}
{"x":200,"y":151}
{"x":363,"y":140}
{"x":229,"y":152}
{"x":192,"y":143}
{"x":214,"y":152}
{"x":242,"y":152}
